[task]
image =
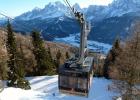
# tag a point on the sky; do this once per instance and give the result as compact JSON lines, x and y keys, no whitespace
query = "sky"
{"x":14,"y":8}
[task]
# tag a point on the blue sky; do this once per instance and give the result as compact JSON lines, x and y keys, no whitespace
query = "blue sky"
{"x":16,"y":7}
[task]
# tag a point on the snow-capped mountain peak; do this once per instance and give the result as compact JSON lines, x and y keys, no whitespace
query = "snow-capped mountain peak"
{"x":130,"y":4}
{"x":56,"y":4}
{"x":93,"y":12}
{"x":36,"y":9}
{"x":106,"y":21}
{"x":127,"y":1}
{"x":51,"y":10}
{"x":77,"y":7}
{"x":120,"y":7}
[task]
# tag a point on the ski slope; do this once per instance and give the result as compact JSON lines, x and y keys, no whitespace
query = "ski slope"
{"x":46,"y":88}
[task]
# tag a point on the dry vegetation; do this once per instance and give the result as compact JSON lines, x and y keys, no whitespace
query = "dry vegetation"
{"x":26,"y":44}
{"x":3,"y":55}
{"x":126,"y":67}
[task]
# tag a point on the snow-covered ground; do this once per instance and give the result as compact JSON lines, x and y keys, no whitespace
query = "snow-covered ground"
{"x":46,"y":88}
{"x":74,"y":39}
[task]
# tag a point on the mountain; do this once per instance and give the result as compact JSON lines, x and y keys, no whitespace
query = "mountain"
{"x":95,"y":13}
{"x":116,"y":9}
{"x":2,"y":21}
{"x":120,"y":7}
{"x":58,"y":9}
{"x":108,"y":29}
{"x":56,"y":21}
{"x":52,"y":10}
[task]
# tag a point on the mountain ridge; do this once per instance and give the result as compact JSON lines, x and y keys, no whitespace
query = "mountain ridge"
{"x":116,"y":8}
{"x":57,"y":22}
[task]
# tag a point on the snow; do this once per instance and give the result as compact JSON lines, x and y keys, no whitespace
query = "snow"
{"x":19,"y":94}
{"x":58,"y":9}
{"x":119,"y":98}
{"x":74,"y":40}
{"x":120,"y":7}
{"x":46,"y":88}
{"x":61,"y":18}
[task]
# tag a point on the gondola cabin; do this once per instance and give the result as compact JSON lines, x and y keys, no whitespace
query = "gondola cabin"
{"x":76,"y":80}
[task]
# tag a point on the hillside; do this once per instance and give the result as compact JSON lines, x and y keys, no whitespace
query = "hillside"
{"x":25,"y":41}
{"x":26,"y":44}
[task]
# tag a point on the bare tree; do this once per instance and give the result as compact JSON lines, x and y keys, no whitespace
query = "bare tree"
{"x":128,"y":65}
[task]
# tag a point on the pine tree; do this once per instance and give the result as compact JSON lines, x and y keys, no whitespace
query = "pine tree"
{"x":51,"y":62}
{"x":22,"y":83}
{"x":111,"y":57}
{"x":49,"y":54}
{"x":15,"y":63}
{"x":58,"y":56}
{"x":67,"y":55}
{"x":40,"y":54}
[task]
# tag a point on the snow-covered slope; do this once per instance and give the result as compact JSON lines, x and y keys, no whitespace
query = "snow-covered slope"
{"x":120,"y":7}
{"x":46,"y":88}
{"x":74,"y":39}
{"x":116,"y":8}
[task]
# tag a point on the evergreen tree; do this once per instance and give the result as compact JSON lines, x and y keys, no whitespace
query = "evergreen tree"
{"x":58,"y":56}
{"x":111,"y":57}
{"x":15,"y":64}
{"x":49,"y":54}
{"x":40,"y":54}
{"x":67,"y":55}
{"x":51,"y":61}
{"x":22,"y":83}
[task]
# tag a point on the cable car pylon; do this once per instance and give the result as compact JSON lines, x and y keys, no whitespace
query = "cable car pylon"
{"x":75,"y":76}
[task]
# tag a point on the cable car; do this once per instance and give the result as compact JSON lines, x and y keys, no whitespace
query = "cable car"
{"x":76,"y":79}
{"x":75,"y":76}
